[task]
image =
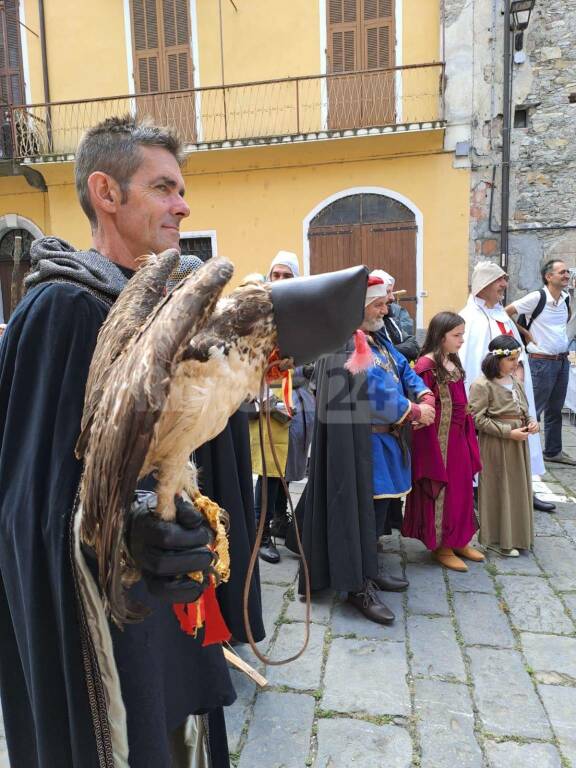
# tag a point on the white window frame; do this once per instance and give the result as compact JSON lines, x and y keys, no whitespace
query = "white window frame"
{"x":24,"y":52}
{"x":211,"y":233}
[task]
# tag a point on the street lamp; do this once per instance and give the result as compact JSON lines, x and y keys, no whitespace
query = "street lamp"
{"x":520,"y":11}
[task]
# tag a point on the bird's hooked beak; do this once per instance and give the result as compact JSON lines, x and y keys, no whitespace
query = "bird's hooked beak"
{"x":317,"y":315}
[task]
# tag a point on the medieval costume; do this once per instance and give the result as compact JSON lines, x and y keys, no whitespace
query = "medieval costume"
{"x":445,"y":458}
{"x":398,"y":329}
{"x":291,"y":436}
{"x":290,"y":433}
{"x":505,"y":486}
{"x":398,"y":326}
{"x":482,"y":325}
{"x":391,"y":382}
{"x":358,"y":462}
{"x":61,"y":707}
{"x":336,"y":510}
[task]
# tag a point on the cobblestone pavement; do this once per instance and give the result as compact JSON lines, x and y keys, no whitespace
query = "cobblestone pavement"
{"x":479,"y":670}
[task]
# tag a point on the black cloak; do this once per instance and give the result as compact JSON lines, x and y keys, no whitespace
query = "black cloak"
{"x":225,"y":475}
{"x":165,"y":675}
{"x":336,"y":511}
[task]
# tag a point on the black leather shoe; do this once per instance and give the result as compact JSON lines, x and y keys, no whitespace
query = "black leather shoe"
{"x":543,"y":506}
{"x":269,"y":552}
{"x":370,"y":605}
{"x":388,"y":583}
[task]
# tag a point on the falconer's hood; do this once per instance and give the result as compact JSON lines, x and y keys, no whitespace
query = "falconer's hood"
{"x":317,"y":315}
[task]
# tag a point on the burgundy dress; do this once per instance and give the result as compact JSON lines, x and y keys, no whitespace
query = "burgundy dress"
{"x":445,"y":458}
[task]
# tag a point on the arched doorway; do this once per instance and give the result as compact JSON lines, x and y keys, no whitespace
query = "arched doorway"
{"x":11,"y":277}
{"x":367,"y":228}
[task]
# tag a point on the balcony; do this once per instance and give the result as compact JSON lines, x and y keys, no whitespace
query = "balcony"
{"x":370,"y":102}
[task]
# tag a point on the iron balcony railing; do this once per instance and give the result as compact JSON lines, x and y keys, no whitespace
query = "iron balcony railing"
{"x":245,"y":113}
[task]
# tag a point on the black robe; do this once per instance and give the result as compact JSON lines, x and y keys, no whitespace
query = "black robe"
{"x":336,"y":511}
{"x":164,"y":674}
{"x":225,"y":475}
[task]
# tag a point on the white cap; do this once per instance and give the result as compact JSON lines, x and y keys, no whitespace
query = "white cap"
{"x":377,"y":288}
{"x":485,"y":272}
{"x":287,"y":259}
{"x":387,"y":278}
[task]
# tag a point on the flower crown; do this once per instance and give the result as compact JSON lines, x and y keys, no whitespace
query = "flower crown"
{"x":505,"y":352}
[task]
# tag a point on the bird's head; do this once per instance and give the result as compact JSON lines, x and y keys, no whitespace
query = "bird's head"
{"x":243,"y":320}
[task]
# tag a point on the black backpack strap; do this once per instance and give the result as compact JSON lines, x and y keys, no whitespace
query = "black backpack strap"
{"x":538,"y":308}
{"x":567,"y":300}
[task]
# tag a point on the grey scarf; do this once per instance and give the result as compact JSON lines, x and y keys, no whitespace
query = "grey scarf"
{"x":55,"y":261}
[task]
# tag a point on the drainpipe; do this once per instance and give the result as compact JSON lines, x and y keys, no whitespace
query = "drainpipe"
{"x":45,"y":77}
{"x":506,"y":138}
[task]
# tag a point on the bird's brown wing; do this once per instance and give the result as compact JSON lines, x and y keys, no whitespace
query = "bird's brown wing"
{"x":124,"y":320}
{"x":123,"y":425}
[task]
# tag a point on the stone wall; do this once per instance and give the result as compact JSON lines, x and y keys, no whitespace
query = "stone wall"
{"x":543,"y":171}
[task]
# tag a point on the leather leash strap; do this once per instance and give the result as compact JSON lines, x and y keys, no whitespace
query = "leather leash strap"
{"x":264,"y":394}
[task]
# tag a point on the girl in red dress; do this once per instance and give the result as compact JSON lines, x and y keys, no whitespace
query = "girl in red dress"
{"x":445,"y":455}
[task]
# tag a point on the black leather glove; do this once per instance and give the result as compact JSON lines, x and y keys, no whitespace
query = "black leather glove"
{"x":166,"y":551}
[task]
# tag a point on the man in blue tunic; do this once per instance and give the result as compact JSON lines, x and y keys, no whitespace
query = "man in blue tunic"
{"x":391,"y":383}
{"x":358,"y":462}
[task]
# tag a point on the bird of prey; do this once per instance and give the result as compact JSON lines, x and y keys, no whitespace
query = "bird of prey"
{"x":167,"y":373}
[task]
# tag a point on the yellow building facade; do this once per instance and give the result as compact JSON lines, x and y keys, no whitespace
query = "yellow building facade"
{"x":289,"y":146}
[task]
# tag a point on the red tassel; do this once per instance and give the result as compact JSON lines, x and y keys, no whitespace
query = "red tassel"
{"x":190,"y":616}
{"x":215,"y":629}
{"x":204,"y":612}
{"x":362,"y":358}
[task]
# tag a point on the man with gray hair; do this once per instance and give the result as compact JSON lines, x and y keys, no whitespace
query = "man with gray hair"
{"x":360,"y":461}
{"x":76,"y":692}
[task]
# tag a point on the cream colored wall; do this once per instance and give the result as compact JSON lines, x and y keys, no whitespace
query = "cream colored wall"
{"x":421,"y":31}
{"x":17,"y":197}
{"x":86,"y":49}
{"x":256,"y":213}
{"x":264,"y":39}
{"x":56,"y":212}
{"x":420,"y":45}
{"x":267,"y":39}
{"x":256,"y":201}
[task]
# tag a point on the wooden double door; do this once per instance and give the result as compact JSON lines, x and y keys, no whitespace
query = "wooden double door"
{"x":373,"y":230}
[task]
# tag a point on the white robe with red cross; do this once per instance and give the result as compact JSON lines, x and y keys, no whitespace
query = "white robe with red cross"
{"x":482,"y":325}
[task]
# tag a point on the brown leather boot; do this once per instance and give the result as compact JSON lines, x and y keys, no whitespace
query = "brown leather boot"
{"x":469,"y":553}
{"x":370,"y":605}
{"x":446,"y":557}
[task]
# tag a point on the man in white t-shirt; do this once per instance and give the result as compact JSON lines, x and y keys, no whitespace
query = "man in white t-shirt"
{"x":547,"y":313}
